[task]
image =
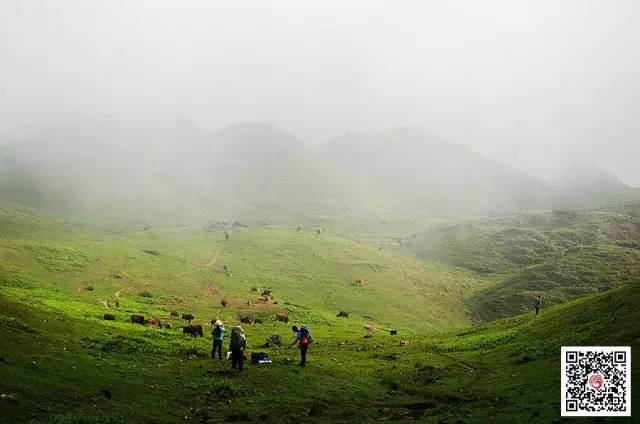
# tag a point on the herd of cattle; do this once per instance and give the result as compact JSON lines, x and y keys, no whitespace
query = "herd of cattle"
{"x":195,"y":330}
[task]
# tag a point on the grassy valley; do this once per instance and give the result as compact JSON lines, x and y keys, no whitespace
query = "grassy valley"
{"x":60,"y":362}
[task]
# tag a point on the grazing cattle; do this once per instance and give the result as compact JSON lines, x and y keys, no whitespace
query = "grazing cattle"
{"x":343,"y":314}
{"x":137,"y":319}
{"x":193,"y":330}
{"x":155,"y":321}
{"x":245,"y":319}
{"x":257,"y":320}
{"x":167,"y":326}
{"x":393,"y":332}
{"x":282,"y":317}
{"x":188,"y":317}
{"x":223,"y":302}
{"x":174,"y":314}
{"x":109,"y":317}
{"x":248,"y":303}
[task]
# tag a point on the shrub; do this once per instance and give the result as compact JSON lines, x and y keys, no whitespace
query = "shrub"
{"x":123,"y":344}
{"x":19,"y":281}
{"x":62,"y":258}
{"x":226,"y":390}
{"x":392,"y":382}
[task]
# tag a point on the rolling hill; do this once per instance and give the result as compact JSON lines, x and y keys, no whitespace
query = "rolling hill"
{"x":61,"y":363}
{"x":561,"y":255}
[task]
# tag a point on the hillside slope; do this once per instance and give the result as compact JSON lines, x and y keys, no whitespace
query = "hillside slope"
{"x":182,"y":267}
{"x":560,"y":255}
{"x":60,"y":363}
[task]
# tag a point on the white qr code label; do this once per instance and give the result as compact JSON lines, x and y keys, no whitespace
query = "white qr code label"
{"x":596,"y":381}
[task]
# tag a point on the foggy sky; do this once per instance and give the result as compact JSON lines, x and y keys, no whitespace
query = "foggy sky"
{"x":539,"y":85}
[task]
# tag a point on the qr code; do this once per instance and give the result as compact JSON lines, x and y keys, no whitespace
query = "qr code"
{"x":596,"y":381}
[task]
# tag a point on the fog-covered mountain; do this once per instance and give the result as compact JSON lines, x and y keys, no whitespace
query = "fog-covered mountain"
{"x":169,"y":168}
{"x":418,"y":170}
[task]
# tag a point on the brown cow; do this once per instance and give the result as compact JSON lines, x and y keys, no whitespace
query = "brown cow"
{"x":137,"y":319}
{"x":245,"y":319}
{"x":282,"y":317}
{"x":155,"y":321}
{"x":174,"y":314}
{"x":194,"y":330}
{"x":188,"y":317}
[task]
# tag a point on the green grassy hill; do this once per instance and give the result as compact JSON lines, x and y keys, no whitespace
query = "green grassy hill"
{"x":561,"y":255}
{"x":60,"y":362}
{"x":305,"y":272}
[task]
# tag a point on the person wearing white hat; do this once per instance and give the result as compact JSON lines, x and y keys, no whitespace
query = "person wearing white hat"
{"x":217,"y":334}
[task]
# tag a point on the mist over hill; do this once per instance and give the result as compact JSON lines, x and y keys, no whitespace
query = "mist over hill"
{"x":167,"y":168}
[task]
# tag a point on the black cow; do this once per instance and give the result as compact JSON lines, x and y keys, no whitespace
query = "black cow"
{"x":188,"y":317}
{"x":137,"y":319}
{"x":109,"y":317}
{"x":343,"y":314}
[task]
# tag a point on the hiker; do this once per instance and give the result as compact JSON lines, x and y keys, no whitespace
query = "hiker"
{"x":304,"y":338}
{"x":237,"y":344}
{"x":217,"y":334}
{"x":537,"y":303}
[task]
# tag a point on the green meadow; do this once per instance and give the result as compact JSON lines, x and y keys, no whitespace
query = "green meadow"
{"x":61,"y":362}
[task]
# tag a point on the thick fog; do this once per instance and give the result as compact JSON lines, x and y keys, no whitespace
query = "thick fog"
{"x":539,"y":85}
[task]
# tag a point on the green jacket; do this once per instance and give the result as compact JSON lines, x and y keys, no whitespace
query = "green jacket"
{"x":220,"y":335}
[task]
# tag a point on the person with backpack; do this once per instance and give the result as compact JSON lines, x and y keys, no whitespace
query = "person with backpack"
{"x":537,"y":303}
{"x":237,"y":344}
{"x":303,"y":338}
{"x":217,"y":334}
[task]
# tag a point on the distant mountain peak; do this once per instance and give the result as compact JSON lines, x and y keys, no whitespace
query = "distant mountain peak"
{"x":256,"y":131}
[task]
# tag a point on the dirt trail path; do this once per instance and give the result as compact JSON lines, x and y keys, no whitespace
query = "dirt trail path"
{"x":212,"y":262}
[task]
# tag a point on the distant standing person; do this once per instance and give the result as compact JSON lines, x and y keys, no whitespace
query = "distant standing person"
{"x":303,"y":338}
{"x":537,"y":303}
{"x":217,"y":334}
{"x":237,"y":344}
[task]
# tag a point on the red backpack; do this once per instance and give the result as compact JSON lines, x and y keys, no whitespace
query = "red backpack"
{"x":305,"y":336}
